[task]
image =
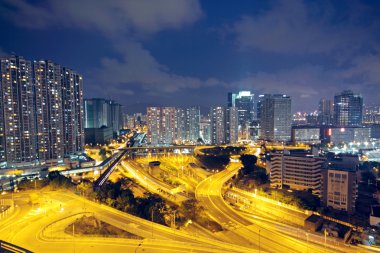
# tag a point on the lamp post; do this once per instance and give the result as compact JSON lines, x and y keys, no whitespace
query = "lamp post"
{"x":259,"y":242}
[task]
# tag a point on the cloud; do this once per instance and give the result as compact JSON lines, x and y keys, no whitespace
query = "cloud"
{"x":2,"y":52}
{"x":291,"y":26}
{"x":108,"y":17}
{"x":139,"y":69}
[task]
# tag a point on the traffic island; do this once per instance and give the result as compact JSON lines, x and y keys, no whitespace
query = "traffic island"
{"x":91,"y":226}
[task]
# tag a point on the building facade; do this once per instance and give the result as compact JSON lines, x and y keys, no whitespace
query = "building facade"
{"x":73,"y":111}
{"x":18,"y":113}
{"x":49,"y":116}
{"x":298,"y":171}
{"x":275,"y":117}
{"x":244,"y":101}
{"x":188,"y":124}
{"x":217,"y":125}
{"x":347,"y":135}
{"x":325,"y":112}
{"x":41,"y":112}
{"x":103,"y":112}
{"x":339,"y":189}
{"x":348,"y":109}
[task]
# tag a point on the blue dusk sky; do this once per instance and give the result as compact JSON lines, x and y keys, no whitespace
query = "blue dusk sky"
{"x":189,"y":52}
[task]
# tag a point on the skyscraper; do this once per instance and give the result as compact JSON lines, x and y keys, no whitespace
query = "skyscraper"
{"x":244,"y":101}
{"x":153,"y":115}
{"x":223,"y":125}
{"x":41,"y":112}
{"x":348,"y":109}
{"x":48,"y":99}
{"x":276,"y":117}
{"x":161,"y":123}
{"x":325,"y":112}
{"x":17,"y":107}
{"x":96,"y":113}
{"x":231,"y":124}
{"x":168,"y":125}
{"x":73,"y":111}
{"x":188,"y":120}
{"x":217,"y":119}
{"x":103,"y":112}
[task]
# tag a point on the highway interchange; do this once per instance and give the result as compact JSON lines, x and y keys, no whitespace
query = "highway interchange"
{"x":39,"y":227}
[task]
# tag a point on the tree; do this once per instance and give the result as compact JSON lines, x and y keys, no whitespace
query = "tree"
{"x":103,"y":153}
{"x":249,"y":162}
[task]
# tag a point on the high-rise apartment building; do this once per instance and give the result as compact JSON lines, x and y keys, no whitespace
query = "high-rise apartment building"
{"x":161,"y":122}
{"x":348,"y":109}
{"x":223,"y":125}
{"x":153,"y":120}
{"x":168,"y":125}
{"x":188,"y":120}
{"x":205,"y":129}
{"x":217,"y":125}
{"x":73,"y":111}
{"x":232,"y":125}
{"x":18,"y":113}
{"x":325,"y":112}
{"x":49,"y":116}
{"x":275,"y":117}
{"x":41,"y":111}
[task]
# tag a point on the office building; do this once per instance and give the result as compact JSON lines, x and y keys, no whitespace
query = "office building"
{"x":275,"y":117}
{"x":102,"y":135}
{"x":371,"y":114}
{"x":96,"y":113}
{"x":325,"y":112}
{"x":306,"y":134}
{"x":339,"y":182}
{"x":348,"y":109}
{"x":296,"y":170}
{"x":244,"y":101}
{"x":346,"y":135}
{"x":103,"y":112}
{"x":339,"y":188}
{"x":116,"y":117}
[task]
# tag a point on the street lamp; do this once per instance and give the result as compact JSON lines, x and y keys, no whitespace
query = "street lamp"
{"x":259,"y":242}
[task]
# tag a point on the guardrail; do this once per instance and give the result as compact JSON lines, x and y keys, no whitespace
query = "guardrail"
{"x":9,"y":247}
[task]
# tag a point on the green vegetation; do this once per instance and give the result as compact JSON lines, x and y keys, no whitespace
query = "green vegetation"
{"x":300,"y":199}
{"x":117,"y":195}
{"x":89,"y":225}
{"x":103,"y":153}
{"x":192,"y":210}
{"x":250,"y":176}
{"x":217,"y":158}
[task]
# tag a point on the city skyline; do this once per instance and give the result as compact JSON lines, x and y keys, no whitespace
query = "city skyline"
{"x":297,"y":48}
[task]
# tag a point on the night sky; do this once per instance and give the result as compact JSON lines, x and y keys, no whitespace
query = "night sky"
{"x":188,"y":52}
